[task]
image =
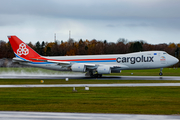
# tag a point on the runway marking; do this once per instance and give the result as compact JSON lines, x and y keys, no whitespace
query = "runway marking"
{"x":11,"y":115}
{"x":94,"y":85}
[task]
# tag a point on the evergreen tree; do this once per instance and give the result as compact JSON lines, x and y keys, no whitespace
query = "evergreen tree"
{"x":136,"y":47}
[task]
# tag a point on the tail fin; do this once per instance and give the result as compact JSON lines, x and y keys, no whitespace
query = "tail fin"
{"x":22,"y":50}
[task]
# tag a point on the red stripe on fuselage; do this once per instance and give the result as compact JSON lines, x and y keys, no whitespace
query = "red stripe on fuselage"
{"x":41,"y":58}
{"x":86,"y":59}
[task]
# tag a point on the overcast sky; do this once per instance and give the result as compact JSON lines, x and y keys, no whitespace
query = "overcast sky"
{"x":155,"y":21}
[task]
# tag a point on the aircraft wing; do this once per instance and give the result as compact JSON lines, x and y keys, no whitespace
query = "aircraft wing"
{"x":64,"y":63}
{"x":61,"y":63}
{"x":88,"y":65}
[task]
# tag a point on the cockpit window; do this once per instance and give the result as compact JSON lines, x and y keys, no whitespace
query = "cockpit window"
{"x":164,"y":53}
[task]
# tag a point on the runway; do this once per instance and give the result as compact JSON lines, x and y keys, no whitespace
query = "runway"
{"x":86,"y":78}
{"x":94,"y":85}
{"x":9,"y":115}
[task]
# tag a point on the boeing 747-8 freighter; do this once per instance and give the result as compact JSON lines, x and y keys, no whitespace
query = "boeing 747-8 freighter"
{"x":92,"y":65}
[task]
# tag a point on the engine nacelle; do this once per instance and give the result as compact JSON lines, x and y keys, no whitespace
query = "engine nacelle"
{"x":104,"y":70}
{"x":115,"y":71}
{"x":78,"y":68}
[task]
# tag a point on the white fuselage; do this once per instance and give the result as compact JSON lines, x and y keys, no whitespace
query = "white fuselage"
{"x":138,"y":60}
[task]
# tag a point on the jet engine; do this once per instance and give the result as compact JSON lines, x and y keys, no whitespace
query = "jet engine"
{"x":78,"y":68}
{"x":115,"y":71}
{"x":104,"y":70}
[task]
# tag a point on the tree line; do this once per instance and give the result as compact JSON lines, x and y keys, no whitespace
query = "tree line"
{"x":91,"y":47}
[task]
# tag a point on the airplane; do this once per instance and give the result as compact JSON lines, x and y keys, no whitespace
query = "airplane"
{"x":92,"y":65}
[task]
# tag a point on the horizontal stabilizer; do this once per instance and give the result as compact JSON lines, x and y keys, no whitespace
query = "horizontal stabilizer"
{"x":16,"y":59}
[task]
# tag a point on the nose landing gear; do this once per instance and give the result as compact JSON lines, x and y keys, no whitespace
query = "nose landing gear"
{"x":161,"y":72}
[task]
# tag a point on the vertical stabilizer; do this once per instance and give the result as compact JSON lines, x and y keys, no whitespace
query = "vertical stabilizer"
{"x":22,"y":50}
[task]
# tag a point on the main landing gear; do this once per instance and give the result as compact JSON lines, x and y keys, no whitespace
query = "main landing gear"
{"x":91,"y":74}
{"x":97,"y":75}
{"x":161,"y":72}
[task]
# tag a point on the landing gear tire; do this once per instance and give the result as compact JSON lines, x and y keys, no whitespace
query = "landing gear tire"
{"x":91,"y":75}
{"x":160,"y":73}
{"x":96,"y":75}
{"x":99,"y":75}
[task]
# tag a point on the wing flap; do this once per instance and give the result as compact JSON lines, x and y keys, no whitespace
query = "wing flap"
{"x":90,"y":65}
{"x":119,"y":66}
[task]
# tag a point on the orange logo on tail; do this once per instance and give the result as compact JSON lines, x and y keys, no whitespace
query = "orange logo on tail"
{"x":22,"y":49}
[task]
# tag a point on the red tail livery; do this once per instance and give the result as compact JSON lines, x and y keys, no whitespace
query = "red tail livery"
{"x":22,"y":50}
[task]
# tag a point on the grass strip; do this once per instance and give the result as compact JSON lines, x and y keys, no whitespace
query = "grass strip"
{"x":78,"y":81}
{"x":132,"y":100}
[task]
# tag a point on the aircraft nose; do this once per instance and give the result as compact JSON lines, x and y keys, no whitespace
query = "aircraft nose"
{"x":175,"y":60}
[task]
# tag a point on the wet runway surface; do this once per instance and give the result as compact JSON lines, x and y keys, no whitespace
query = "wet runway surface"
{"x":9,"y":115}
{"x":83,"y":77}
{"x":94,"y":85}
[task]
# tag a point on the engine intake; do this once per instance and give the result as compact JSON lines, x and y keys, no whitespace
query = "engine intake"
{"x":78,"y":68}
